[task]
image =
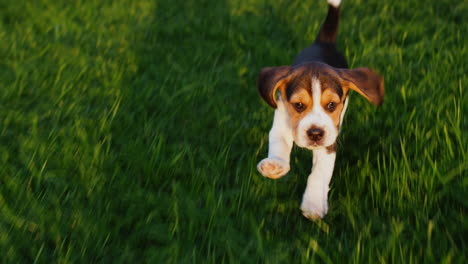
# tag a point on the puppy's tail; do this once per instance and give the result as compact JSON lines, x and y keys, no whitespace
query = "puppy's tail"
{"x":329,"y":30}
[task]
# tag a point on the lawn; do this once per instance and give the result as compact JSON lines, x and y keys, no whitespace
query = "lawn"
{"x":131,"y":129}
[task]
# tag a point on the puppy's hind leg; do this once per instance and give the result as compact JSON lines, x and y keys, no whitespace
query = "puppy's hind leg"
{"x":279,"y":148}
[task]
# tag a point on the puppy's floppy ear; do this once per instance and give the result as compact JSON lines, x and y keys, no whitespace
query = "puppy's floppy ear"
{"x":364,"y":81}
{"x":269,"y":80}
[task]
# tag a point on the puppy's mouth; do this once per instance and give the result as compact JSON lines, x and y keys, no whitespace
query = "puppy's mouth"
{"x":314,"y":145}
{"x":303,"y":141}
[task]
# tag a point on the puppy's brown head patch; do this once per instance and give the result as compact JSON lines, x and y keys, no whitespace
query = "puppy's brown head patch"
{"x":290,"y":79}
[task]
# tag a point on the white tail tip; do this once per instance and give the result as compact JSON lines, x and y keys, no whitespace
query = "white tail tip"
{"x":334,"y":3}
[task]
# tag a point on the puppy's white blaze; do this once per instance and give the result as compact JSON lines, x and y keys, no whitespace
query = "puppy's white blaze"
{"x":316,"y":117}
{"x":280,"y":136}
{"x":334,"y":3}
{"x":344,"y":110}
{"x":316,"y":94}
{"x":314,"y":202}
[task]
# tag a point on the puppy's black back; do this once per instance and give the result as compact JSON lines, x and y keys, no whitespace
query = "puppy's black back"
{"x":324,"y":48}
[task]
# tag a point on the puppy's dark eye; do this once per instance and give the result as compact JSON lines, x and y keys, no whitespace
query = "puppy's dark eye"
{"x":331,"y":106}
{"x":299,"y":107}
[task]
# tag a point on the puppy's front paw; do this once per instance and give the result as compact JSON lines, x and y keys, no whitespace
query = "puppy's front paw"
{"x":314,"y":209}
{"x":273,"y":168}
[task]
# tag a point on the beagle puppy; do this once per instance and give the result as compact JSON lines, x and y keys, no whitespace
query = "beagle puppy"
{"x":310,"y":98}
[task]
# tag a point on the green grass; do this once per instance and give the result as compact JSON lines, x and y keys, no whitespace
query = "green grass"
{"x":130,"y":131}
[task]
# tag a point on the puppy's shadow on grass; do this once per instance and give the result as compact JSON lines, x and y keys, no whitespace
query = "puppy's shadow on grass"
{"x":189,"y":125}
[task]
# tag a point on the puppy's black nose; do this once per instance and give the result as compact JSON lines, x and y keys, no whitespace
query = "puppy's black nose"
{"x":315,"y":134}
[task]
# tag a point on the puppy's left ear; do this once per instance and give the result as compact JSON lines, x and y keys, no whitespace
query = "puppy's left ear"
{"x":364,"y":81}
{"x":269,"y":80}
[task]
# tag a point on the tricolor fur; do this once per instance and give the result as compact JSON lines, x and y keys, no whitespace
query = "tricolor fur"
{"x":311,"y":97}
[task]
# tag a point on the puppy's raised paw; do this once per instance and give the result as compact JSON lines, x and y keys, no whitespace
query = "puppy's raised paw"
{"x":273,"y":168}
